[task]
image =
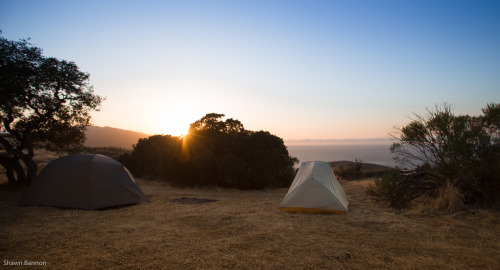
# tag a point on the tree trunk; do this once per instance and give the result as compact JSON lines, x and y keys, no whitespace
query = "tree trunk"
{"x":14,"y":170}
{"x":9,"y":169}
{"x":15,"y":154}
{"x":21,"y":175}
{"x":31,"y":171}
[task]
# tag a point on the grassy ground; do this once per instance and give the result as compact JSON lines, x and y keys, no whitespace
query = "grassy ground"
{"x":245,"y":230}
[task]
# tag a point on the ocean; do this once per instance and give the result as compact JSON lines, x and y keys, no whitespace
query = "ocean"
{"x":369,"y":153}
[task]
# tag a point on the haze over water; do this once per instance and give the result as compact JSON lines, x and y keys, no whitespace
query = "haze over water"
{"x":369,"y":153}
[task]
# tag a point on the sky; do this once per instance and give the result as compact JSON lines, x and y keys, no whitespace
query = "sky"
{"x":298,"y":69}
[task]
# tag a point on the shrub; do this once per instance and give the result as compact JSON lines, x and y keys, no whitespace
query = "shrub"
{"x":399,"y":189}
{"x":384,"y":187}
{"x":462,"y":151}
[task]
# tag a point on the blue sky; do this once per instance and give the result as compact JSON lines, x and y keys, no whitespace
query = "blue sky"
{"x":299,"y":69}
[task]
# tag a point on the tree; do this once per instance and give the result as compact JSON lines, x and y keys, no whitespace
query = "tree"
{"x":44,"y":103}
{"x":211,"y":122}
{"x":226,"y":154}
{"x":150,"y":155}
{"x":215,"y":152}
{"x":459,"y":151}
{"x":268,"y":160}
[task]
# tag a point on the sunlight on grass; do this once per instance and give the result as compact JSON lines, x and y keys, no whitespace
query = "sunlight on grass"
{"x":245,"y":229}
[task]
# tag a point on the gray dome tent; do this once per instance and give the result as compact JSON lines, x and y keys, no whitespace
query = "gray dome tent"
{"x":85,"y":181}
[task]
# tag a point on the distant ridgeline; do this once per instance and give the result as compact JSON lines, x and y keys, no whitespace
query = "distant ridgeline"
{"x":112,"y":137}
{"x":353,"y":170}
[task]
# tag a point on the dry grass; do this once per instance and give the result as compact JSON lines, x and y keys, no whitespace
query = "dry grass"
{"x":448,"y":200}
{"x":245,"y":230}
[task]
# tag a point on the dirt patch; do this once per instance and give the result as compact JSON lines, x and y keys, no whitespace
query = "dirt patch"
{"x":184,"y":200}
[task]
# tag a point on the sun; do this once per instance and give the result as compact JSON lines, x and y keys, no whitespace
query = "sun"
{"x":175,"y":126}
{"x":173,"y":114}
{"x":172,"y":121}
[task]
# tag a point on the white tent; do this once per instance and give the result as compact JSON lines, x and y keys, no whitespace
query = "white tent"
{"x":315,"y":189}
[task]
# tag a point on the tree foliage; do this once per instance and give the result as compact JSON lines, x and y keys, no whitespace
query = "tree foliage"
{"x":214,"y":153}
{"x":44,"y":103}
{"x":462,"y":150}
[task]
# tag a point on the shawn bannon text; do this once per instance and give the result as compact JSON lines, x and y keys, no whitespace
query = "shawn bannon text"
{"x":25,"y":262}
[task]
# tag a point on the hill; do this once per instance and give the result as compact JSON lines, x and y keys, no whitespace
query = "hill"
{"x":364,"y":166}
{"x":108,"y":136}
{"x":349,"y":170}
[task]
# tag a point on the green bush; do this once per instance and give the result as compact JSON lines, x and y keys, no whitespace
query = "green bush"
{"x":399,"y":189}
{"x":384,"y":187}
{"x":462,"y":151}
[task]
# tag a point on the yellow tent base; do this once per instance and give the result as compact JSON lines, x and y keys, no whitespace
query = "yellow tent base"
{"x":311,"y":210}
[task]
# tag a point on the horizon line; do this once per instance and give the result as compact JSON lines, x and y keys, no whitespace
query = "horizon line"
{"x":293,"y":141}
{"x":340,"y":141}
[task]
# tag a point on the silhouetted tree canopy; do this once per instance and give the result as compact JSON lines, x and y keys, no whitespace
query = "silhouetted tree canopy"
{"x":44,"y":102}
{"x":214,"y":153}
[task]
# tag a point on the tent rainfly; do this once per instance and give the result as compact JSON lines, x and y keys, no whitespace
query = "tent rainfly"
{"x":315,"y":189}
{"x":85,"y":181}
